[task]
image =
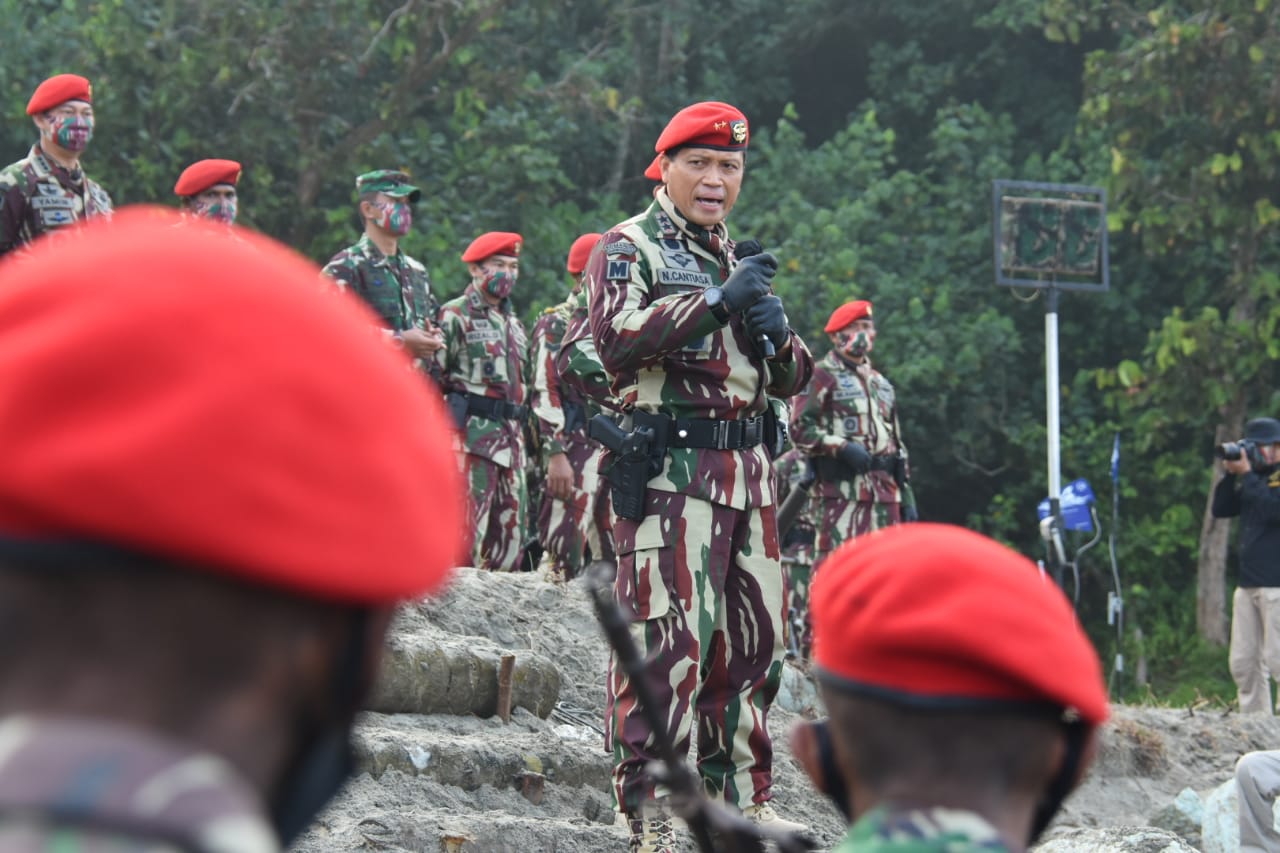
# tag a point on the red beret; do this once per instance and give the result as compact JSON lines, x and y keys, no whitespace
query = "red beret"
{"x":654,"y":171}
{"x":846,"y":314}
{"x":938,"y":616}
{"x":201,"y":175}
{"x":334,"y":477}
{"x":493,"y":243}
{"x":58,"y":90}
{"x":710,"y":124}
{"x":580,"y":251}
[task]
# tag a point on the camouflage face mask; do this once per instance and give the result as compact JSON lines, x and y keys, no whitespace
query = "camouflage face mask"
{"x":72,"y":132}
{"x":855,"y":345}
{"x":219,"y":211}
{"x":396,"y":218}
{"x":498,"y":284}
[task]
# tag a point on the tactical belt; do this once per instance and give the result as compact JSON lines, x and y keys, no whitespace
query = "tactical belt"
{"x":493,"y":408}
{"x":704,"y":433}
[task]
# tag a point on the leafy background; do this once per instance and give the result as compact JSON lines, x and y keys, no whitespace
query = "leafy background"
{"x":878,"y":127}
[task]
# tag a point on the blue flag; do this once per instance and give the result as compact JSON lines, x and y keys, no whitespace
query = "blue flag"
{"x":1115,"y":460}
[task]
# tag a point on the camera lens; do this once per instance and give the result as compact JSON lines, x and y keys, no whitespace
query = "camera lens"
{"x":1231,"y":451}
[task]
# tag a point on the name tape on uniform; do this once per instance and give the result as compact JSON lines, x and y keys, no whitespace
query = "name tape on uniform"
{"x":684,"y":277}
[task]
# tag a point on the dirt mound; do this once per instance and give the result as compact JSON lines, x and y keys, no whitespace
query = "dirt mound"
{"x":431,"y":782}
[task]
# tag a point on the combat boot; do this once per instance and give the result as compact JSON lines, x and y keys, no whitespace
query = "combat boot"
{"x":654,"y":834}
{"x":763,"y":814}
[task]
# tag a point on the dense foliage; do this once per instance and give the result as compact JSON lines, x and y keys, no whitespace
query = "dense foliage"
{"x":878,"y":127}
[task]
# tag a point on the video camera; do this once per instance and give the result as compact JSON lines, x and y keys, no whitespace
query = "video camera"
{"x":1245,"y":448}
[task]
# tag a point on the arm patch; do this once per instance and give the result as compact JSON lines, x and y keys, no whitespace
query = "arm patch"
{"x":618,"y":270}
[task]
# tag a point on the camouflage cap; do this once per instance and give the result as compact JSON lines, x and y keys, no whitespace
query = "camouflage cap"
{"x":389,"y":181}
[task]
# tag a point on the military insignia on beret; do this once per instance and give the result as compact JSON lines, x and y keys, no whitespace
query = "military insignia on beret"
{"x":738,"y":130}
{"x":89,"y":91}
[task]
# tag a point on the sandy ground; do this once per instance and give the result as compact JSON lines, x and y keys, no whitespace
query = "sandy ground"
{"x":432,"y":782}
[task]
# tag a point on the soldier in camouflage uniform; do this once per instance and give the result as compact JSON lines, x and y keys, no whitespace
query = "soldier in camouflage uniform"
{"x":47,"y":189}
{"x":189,"y":638}
{"x":567,"y":521}
{"x":483,"y":367}
{"x":797,"y":549}
{"x":849,"y":425}
{"x":680,"y":325}
{"x":207,"y":189}
{"x":964,"y":697}
{"x":393,"y":284}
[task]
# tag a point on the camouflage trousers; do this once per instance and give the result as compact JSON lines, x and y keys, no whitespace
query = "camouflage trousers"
{"x":497,"y":502}
{"x":704,"y":585}
{"x":567,"y":528}
{"x":838,"y":520}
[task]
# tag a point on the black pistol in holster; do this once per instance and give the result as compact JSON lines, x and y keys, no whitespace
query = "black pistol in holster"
{"x":633,"y":454}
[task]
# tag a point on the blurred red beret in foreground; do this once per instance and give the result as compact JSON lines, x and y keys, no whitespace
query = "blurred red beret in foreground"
{"x":156,"y":399}
{"x":931,"y":615}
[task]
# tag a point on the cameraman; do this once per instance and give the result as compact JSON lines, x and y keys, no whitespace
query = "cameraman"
{"x":1250,"y":489}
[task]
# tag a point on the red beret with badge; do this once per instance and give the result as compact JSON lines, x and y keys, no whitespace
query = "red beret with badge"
{"x":333,"y":478}
{"x":58,"y":90}
{"x":709,"y":124}
{"x":847,"y":313}
{"x":492,"y":243}
{"x":932,"y":615}
{"x":580,"y":251}
{"x":203,"y":174}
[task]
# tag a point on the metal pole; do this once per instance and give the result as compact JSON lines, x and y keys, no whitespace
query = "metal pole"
{"x":1052,"y":390}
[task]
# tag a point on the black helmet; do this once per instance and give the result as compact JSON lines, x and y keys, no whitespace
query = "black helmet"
{"x":1263,"y":430}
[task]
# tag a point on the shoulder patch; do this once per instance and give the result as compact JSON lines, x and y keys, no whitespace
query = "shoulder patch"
{"x":620,"y":247}
{"x":618,"y":271}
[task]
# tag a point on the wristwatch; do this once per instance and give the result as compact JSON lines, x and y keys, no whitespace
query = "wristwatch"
{"x":715,"y":301}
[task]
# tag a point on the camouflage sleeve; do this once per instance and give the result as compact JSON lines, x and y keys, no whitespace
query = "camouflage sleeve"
{"x":544,"y":390}
{"x":578,"y":365}
{"x":630,"y":329}
{"x":446,"y":357}
{"x":13,"y":206}
{"x":788,"y":377}
{"x":810,"y":422}
{"x":342,"y":273}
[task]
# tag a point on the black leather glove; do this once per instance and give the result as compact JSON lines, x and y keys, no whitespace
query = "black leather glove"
{"x":855,"y":456}
{"x":766,"y":318}
{"x":909,"y":513}
{"x":750,"y":281}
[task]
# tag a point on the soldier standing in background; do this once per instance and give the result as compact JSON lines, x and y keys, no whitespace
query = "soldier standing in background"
{"x":566,"y":519}
{"x":47,"y":189}
{"x":393,"y":284}
{"x":797,"y":549}
{"x":189,"y":639}
{"x":208,"y":189}
{"x":482,"y":367}
{"x":681,"y":325}
{"x":849,"y":425}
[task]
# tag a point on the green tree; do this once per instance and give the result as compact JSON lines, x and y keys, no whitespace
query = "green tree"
{"x":1188,"y":107}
